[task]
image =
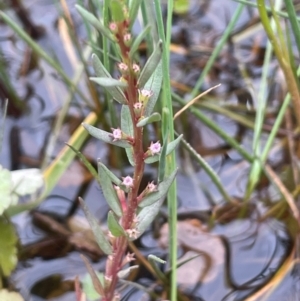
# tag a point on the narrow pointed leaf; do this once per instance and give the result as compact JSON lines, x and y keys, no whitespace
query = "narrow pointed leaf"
{"x":86,"y":163}
{"x":154,"y":84}
{"x":152,"y":118}
{"x":171,"y":146}
{"x":111,"y":175}
{"x":96,"y":282}
{"x":162,"y":190}
{"x":90,"y":18}
{"x":104,"y":136}
{"x":127,"y":128}
{"x":126,"y":121}
{"x":101,"y":238}
{"x":108,"y":82}
{"x":99,"y":68}
{"x":133,"y":10}
{"x":138,"y":40}
{"x":109,"y":191}
{"x":101,"y":71}
{"x":150,"y":65}
{"x":88,"y":287}
{"x":113,"y":225}
{"x":147,"y":215}
{"x":129,"y":153}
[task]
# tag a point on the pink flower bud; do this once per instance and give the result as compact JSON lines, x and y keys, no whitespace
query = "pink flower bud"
{"x":136,"y":68}
{"x":138,"y":105}
{"x":113,"y":27}
{"x":127,"y":37}
{"x":154,"y":148}
{"x":144,"y":95}
{"x":132,"y":233}
{"x":151,"y":187}
{"x":116,"y":134}
{"x":127,"y":181}
{"x":123,"y":67}
{"x":128,"y":258}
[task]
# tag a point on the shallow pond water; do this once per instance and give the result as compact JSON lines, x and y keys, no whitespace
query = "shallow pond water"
{"x":236,"y":257}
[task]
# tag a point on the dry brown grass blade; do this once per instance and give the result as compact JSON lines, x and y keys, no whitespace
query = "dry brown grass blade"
{"x":276,"y":279}
{"x":283,"y":190}
{"x":190,"y":103}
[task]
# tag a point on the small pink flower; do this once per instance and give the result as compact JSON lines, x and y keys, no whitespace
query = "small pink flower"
{"x":144,"y":95}
{"x":122,"y":66}
{"x":116,"y":134}
{"x":127,"y":37}
{"x":138,"y":105}
{"x":133,"y":233}
{"x":113,"y":27}
{"x":136,"y":68}
{"x":129,"y":257}
{"x":151,"y":187}
{"x":154,"y":148}
{"x":127,"y":181}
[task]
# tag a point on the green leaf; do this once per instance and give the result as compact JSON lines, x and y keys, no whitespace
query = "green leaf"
{"x":146,"y":120}
{"x":108,"y":82}
{"x":116,"y":9}
{"x":138,"y":40}
{"x":5,"y":189}
{"x":171,"y":146}
{"x":5,"y":295}
{"x":88,"y":287}
{"x":126,"y":121}
{"x":86,"y":163}
{"x":127,"y":128}
{"x":99,"y":68}
{"x":109,"y":191}
{"x":162,"y":190}
{"x":154,"y":84}
{"x":129,"y":153}
{"x":90,"y":18}
{"x":101,"y":238}
{"x":111,"y":175}
{"x":101,"y":71}
{"x":147,"y":215}
{"x":133,"y":10}
{"x":150,"y":65}
{"x":105,"y":136}
{"x":113,"y":225}
{"x":94,"y":277}
{"x":8,"y":249}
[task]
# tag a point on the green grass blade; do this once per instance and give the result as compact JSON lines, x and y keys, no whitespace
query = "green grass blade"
{"x":168,"y":123}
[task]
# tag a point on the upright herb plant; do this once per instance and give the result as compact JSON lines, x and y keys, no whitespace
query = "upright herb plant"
{"x":137,"y":90}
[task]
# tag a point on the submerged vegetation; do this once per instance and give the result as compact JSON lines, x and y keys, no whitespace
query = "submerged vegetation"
{"x":238,"y":195}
